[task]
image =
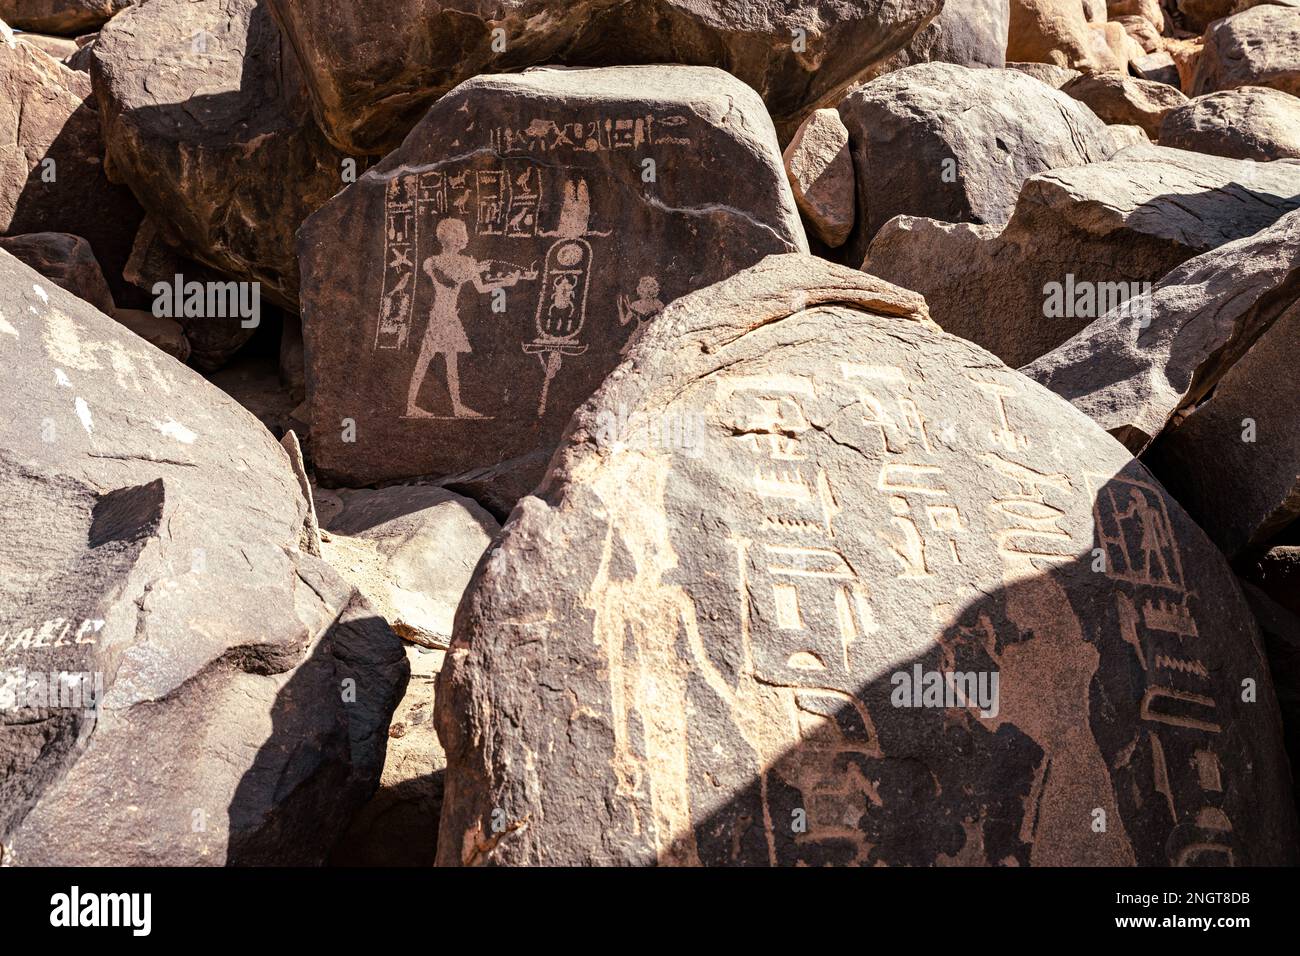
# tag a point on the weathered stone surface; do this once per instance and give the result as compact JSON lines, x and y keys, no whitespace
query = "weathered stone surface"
{"x":1049,"y":73}
{"x":1057,"y":31}
{"x":1158,"y":66}
{"x":67,"y":261}
{"x":821,"y":176}
{"x":531,"y":192}
{"x":1143,"y":33}
{"x":375,"y":66}
{"x":150,"y":543}
{"x":1123,"y":99}
{"x":1132,"y":379}
{"x":51,"y":160}
{"x":58,"y":47}
{"x":59,"y":16}
{"x":966,"y":32}
{"x":1250,"y":122}
{"x":207,"y":122}
{"x":1280,"y":630}
{"x":1201,"y":13}
{"x":1123,"y":47}
{"x":410,"y":549}
{"x":1186,"y":54}
{"x":1149,"y":10}
{"x":161,"y":333}
{"x":726,"y":638}
{"x":1277,"y":574}
{"x":956,"y":143}
{"x":1081,"y":241}
{"x":1259,"y":47}
{"x":1234,"y":461}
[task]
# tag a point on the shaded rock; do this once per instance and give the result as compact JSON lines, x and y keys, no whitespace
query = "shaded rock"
{"x":410,"y":549}
{"x":1158,"y":66}
{"x":483,"y":279}
{"x":966,"y":32}
{"x":293,"y":368}
{"x":1259,"y":47}
{"x":1049,"y":73}
{"x":51,"y":161}
{"x":1280,"y":629}
{"x":58,"y":47}
{"x":1201,"y":13}
{"x":955,"y":143}
{"x":1057,"y":31}
{"x":1133,"y":378}
{"x":375,"y":66}
{"x":1081,"y":242}
{"x":67,"y":261}
{"x":399,"y":826}
{"x":161,"y":333}
{"x":253,"y":380}
{"x":59,"y":16}
{"x":718,"y":669}
{"x":156,"y":265}
{"x":1234,"y":461}
{"x":207,"y":122}
{"x":150,"y":561}
{"x":1123,"y":99}
{"x":1250,"y":122}
{"x":821,"y":176}
{"x":1277,"y":574}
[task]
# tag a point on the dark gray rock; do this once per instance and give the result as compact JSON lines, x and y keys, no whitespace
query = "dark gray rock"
{"x":1258,"y":47}
{"x":60,"y":16}
{"x":1249,"y":122}
{"x":67,"y":261}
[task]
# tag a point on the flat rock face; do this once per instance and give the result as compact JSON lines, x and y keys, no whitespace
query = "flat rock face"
{"x":955,"y":143}
{"x":966,"y":32}
{"x":51,"y":160}
{"x":67,"y":261}
{"x":484,"y":278}
{"x":1258,"y":47}
{"x":59,"y":16}
{"x":1118,"y":98}
{"x":409,"y":549}
{"x":207,"y":122}
{"x":1234,"y":461}
{"x":1250,"y":122}
{"x":720,"y":671}
{"x":1058,"y":32}
{"x":374,"y":66}
{"x":821,"y":175}
{"x":1133,"y":378}
{"x":205,"y":715}
{"x":1081,"y":241}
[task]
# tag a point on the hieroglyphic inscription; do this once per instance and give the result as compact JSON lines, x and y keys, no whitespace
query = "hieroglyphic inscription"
{"x":594,"y":135}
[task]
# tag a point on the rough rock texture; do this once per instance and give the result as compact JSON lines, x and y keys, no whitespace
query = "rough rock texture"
{"x":1158,"y":66}
{"x":484,"y":278}
{"x":1201,"y":13}
{"x":821,"y":176}
{"x":1186,"y":54}
{"x":1277,"y":574}
{"x":374,"y":66}
{"x":1260,"y":47}
{"x":1280,"y":630}
{"x":966,"y":32}
{"x":150,"y":546}
{"x":51,"y":160}
{"x":956,"y":144}
{"x":1142,"y":32}
{"x":409,"y":549}
{"x":161,"y":333}
{"x":59,"y":16}
{"x":58,"y":47}
{"x":1132,"y":379}
{"x":1057,"y":31}
{"x":1250,"y":122}
{"x":67,"y":261}
{"x":713,"y":673}
{"x":1049,"y":73}
{"x":1234,"y":461}
{"x":1123,"y":99}
{"x":207,"y":122}
{"x":1149,"y":10}
{"x":399,"y":826}
{"x":1081,"y":241}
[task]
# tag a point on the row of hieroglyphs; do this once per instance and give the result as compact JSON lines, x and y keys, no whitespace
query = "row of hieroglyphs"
{"x":598,"y":134}
{"x":815,"y":609}
{"x":55,"y":632}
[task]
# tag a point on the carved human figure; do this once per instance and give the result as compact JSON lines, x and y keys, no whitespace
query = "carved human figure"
{"x":643,"y":308}
{"x":449,"y":269}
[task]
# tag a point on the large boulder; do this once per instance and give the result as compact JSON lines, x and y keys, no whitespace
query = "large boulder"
{"x":966,"y":32}
{"x":1157,"y":357}
{"x":1234,"y":460}
{"x":1258,"y":47}
{"x":52,"y":160}
{"x":955,"y":143}
{"x":1249,"y":122}
{"x":1081,"y":242}
{"x":60,"y":16}
{"x":1121,"y":99}
{"x":865,"y":624}
{"x":67,"y":261}
{"x":180,"y":684}
{"x":484,"y":278}
{"x":374,"y":66}
{"x":821,"y":175}
{"x":1058,"y":32}
{"x":207,"y":121}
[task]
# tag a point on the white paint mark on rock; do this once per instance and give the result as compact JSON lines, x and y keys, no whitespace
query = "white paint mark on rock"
{"x":41,"y":293}
{"x":174,"y":429}
{"x":61,"y":377}
{"x":83,"y":412}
